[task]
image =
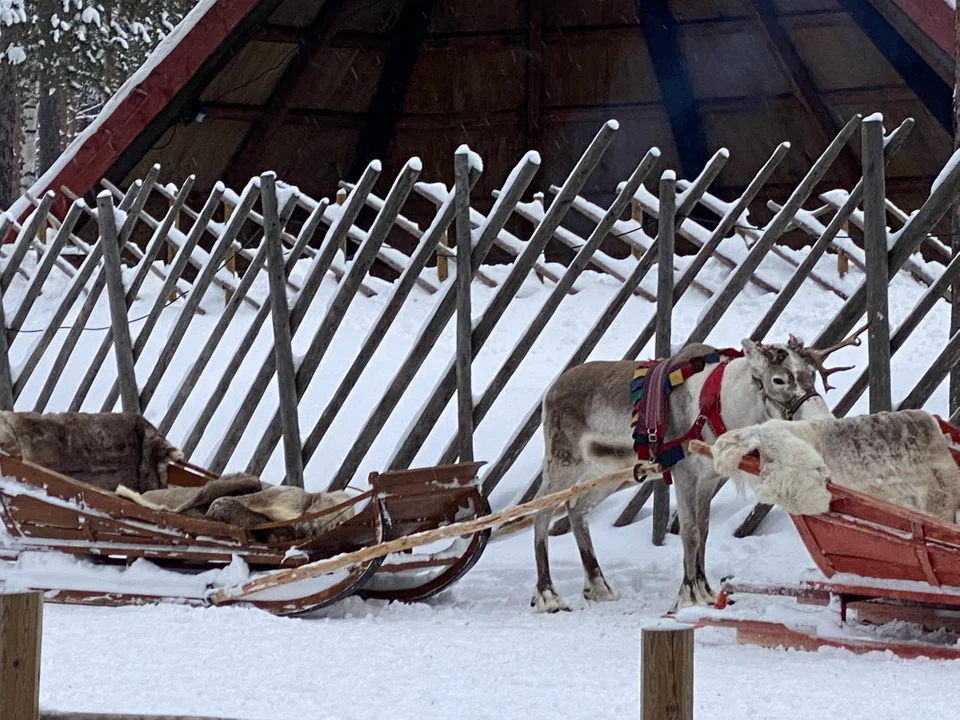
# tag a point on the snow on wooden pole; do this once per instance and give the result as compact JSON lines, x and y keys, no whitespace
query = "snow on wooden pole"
{"x":282,"y":337}
{"x":126,"y":370}
{"x":666,"y":673}
{"x":875,"y":253}
{"x":461,"y":168}
{"x":21,"y":619}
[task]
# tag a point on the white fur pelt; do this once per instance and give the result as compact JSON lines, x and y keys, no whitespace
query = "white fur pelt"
{"x":901,"y":457}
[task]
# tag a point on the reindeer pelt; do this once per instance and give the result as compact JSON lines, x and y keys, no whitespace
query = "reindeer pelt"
{"x":901,"y":457}
{"x":244,"y":500}
{"x":101,"y":449}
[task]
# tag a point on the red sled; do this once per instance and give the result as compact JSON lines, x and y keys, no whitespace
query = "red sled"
{"x":884,"y":562}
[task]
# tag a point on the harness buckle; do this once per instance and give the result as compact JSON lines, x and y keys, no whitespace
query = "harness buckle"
{"x":652,"y":441}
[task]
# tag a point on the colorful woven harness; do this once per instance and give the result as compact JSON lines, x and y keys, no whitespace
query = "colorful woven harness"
{"x":653,"y":381}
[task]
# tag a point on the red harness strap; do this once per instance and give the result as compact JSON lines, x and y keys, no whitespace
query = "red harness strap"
{"x":709,"y":413}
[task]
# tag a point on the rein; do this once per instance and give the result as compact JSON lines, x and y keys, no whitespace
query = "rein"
{"x":793,"y":408}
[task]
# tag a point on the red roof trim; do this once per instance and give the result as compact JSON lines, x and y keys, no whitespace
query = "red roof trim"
{"x":933,"y":17}
{"x":97,"y":153}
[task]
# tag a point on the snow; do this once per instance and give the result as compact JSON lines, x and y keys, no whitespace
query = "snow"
{"x":476,"y":650}
{"x":875,"y":117}
{"x":947,"y":170}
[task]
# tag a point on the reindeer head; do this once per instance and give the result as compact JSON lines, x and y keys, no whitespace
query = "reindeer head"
{"x":786,"y":375}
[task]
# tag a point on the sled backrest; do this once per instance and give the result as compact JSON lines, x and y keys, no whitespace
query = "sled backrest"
{"x":425,"y":498}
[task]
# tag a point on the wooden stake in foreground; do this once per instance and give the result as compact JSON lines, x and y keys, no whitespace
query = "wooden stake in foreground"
{"x":20,"y":622}
{"x":666,"y":673}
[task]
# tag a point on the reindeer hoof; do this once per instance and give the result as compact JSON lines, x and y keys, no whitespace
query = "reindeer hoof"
{"x":693,"y":594}
{"x":599,"y":591}
{"x":547,"y":601}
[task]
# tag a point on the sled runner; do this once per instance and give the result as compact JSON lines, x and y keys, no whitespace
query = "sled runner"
{"x":881,"y":561}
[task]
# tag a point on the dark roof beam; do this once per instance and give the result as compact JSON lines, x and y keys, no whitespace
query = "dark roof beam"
{"x":408,"y":33}
{"x":243,"y":161}
{"x":933,"y":91}
{"x":804,"y":88}
{"x":661,"y":33}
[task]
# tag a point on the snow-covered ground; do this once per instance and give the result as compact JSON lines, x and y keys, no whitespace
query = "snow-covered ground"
{"x":477,"y":650}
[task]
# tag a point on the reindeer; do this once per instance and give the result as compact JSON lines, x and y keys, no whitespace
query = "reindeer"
{"x":587,"y":415}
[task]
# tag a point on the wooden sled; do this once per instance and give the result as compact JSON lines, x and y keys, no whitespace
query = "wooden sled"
{"x":373,"y":554}
{"x":884,"y":562}
{"x":45,"y":511}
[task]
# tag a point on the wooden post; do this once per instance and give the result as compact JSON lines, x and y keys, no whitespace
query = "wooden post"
{"x":443,"y":264}
{"x":341,"y":199}
{"x":231,"y":259}
{"x":21,"y":620}
{"x":461,"y":165}
{"x":666,"y":673}
{"x":843,"y":261}
{"x":126,"y":369}
{"x":636,"y":214}
{"x":665,"y":252}
{"x":878,"y":271}
{"x":282,"y":337}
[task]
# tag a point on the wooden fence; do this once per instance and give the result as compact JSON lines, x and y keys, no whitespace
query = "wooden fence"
{"x":135,"y":354}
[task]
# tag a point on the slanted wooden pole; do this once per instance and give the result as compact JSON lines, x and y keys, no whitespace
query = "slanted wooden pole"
{"x":954,"y":386}
{"x":665,"y":252}
{"x":282,"y":337}
{"x":21,"y":619}
{"x":461,"y":166}
{"x":666,"y":673}
{"x":123,"y":346}
{"x":876,"y":260}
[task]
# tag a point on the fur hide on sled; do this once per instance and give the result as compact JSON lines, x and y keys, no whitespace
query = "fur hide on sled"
{"x":100,"y":449}
{"x":245,"y":500}
{"x":901,"y":457}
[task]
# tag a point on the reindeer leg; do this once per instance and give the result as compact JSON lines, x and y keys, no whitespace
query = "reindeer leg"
{"x":595,"y":586}
{"x":686,"y":485}
{"x":706,"y":489}
{"x":546,"y":598}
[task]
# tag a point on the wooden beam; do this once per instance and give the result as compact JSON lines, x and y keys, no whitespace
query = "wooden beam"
{"x":252,"y":147}
{"x":384,"y":109}
{"x":803,"y":86}
{"x":931,"y":51}
{"x":661,"y":33}
{"x":933,"y":91}
{"x":534,"y":73}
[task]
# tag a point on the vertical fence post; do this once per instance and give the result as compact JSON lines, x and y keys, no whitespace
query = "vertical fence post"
{"x":636,"y":214}
{"x":21,"y":619}
{"x":231,"y":261}
{"x":876,"y":257}
{"x":123,"y":347}
{"x":341,"y":199}
{"x":443,"y":264}
{"x":461,"y":166}
{"x":665,"y":252}
{"x":843,"y":261}
{"x":282,"y":339}
{"x":666,"y":673}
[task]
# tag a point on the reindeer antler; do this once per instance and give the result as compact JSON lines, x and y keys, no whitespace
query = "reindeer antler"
{"x":816,"y":357}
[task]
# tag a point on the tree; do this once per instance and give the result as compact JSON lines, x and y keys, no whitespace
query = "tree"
{"x":12,"y":15}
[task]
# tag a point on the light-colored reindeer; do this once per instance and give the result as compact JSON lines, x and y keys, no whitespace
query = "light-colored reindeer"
{"x":587,"y":430}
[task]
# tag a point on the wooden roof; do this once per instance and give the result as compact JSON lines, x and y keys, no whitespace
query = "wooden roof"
{"x":313,"y":89}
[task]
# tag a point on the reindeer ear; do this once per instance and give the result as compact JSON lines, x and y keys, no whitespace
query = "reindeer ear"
{"x":749,"y":346}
